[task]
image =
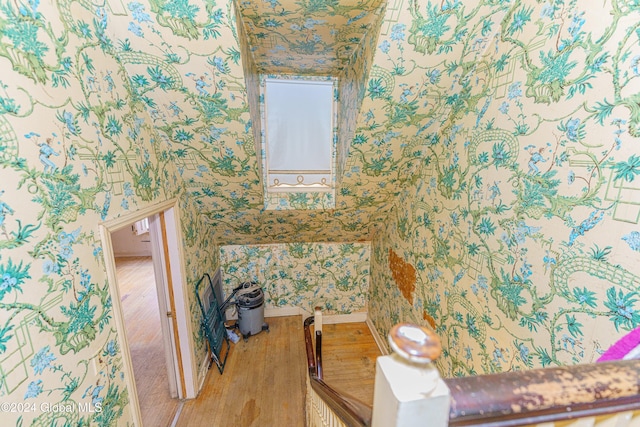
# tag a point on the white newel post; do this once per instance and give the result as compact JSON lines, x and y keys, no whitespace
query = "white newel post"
{"x":408,"y":389}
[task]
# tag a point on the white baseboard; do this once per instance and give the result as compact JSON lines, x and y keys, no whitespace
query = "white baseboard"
{"x":327,"y":319}
{"x":358,"y":317}
{"x":134,"y":254}
{"x":382,"y":344}
{"x":282,"y":311}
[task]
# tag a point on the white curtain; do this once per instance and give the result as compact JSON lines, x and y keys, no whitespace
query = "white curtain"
{"x":299,"y":129}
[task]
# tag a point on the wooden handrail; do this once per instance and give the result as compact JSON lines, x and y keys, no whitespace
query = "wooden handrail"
{"x":543,"y":395}
{"x":319,"y":371}
{"x":311,"y":363}
{"x":349,"y":409}
{"x":511,"y":399}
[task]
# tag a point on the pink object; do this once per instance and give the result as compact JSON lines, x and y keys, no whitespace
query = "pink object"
{"x":627,"y":347}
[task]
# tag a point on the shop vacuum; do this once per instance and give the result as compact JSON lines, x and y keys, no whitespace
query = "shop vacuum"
{"x":249,"y":302}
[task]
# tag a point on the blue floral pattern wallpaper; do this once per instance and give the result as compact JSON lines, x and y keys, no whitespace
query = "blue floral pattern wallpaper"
{"x":488,"y":170}
{"x":77,"y":148}
{"x":517,"y":229}
{"x":321,"y":38}
{"x":304,"y":275}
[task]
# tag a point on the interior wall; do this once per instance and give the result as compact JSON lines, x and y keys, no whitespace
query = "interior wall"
{"x":517,"y":237}
{"x":126,"y":243}
{"x":76,"y":149}
{"x":334,"y":276}
{"x":252,"y":84}
{"x":351,"y":89}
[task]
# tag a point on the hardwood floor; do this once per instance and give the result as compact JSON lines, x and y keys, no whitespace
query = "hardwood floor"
{"x":264,"y":381}
{"x":142,"y":318}
{"x":349,"y":355}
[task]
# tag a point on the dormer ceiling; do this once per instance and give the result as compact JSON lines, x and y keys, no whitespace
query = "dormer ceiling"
{"x":305,"y":37}
{"x":311,"y":38}
{"x":200,"y":93}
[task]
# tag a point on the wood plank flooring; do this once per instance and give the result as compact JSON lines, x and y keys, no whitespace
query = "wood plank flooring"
{"x":349,"y":355}
{"x":264,"y":381}
{"x":139,"y":298}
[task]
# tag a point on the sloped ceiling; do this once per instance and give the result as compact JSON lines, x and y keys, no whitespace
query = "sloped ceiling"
{"x":292,"y":37}
{"x":306,"y":37}
{"x":189,"y":69}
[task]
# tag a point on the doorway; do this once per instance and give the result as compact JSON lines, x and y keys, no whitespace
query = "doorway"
{"x":165,"y":270}
{"x":155,"y":378}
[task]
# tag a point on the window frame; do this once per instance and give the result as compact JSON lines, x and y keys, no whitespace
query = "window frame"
{"x":328,"y":185}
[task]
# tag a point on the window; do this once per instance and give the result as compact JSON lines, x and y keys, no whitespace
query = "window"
{"x":141,"y":227}
{"x":299,"y":129}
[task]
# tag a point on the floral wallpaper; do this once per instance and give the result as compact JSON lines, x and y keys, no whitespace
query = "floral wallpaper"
{"x":330,"y":62}
{"x":211,"y":117}
{"x":305,"y":275}
{"x":76,"y":148}
{"x":307,"y":37}
{"x":105,"y":110}
{"x":519,"y":217}
{"x":487,"y":151}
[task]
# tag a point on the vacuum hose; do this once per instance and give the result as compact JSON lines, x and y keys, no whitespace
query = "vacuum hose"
{"x":241,"y":290}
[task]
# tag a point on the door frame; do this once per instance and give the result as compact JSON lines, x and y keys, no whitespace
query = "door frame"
{"x":174,"y":279}
{"x":166,"y":305}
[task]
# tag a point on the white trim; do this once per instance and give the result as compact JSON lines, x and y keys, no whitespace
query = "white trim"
{"x":377,"y":338}
{"x":204,"y":368}
{"x":327,"y":319}
{"x":182,"y":314}
{"x":126,"y":220}
{"x":300,"y":81}
{"x":359,"y":317}
{"x":132,"y":254}
{"x":164,"y":304}
{"x":179,"y":280}
{"x":283,"y":311}
{"x":118,"y":317}
{"x":176,"y":417}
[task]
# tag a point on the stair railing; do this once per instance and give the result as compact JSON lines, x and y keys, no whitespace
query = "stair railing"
{"x":325,"y":405}
{"x":536,"y":396}
{"x":410,"y":392}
